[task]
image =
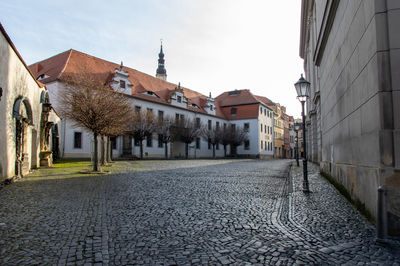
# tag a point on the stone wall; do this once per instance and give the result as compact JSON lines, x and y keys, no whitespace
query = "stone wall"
{"x":352,"y":57}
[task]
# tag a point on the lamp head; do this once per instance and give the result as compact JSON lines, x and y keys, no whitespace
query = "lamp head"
{"x":302,"y":88}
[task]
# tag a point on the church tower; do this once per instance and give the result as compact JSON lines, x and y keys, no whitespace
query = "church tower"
{"x":161,"y":72}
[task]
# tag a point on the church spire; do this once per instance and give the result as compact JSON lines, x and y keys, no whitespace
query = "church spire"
{"x":161,"y":72}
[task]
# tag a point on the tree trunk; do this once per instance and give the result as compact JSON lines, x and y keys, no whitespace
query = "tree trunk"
{"x":102,"y":151}
{"x":213,"y":151}
{"x":95,"y":155}
{"x":109,"y":150}
{"x":186,"y":150}
{"x":141,"y":149}
{"x":166,"y":150}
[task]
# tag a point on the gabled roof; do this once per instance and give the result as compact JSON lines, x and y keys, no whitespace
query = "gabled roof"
{"x":265,"y":101}
{"x":236,"y":97}
{"x":71,"y":61}
{"x":3,"y":31}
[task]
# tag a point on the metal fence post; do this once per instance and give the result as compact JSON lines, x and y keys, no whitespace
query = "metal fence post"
{"x":381,"y":216}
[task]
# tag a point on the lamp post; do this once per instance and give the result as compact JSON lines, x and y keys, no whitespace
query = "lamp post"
{"x":296,"y":129}
{"x":302,"y":88}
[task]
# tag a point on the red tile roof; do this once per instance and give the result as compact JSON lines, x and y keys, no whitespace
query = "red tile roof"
{"x":72,"y":61}
{"x":236,"y":97}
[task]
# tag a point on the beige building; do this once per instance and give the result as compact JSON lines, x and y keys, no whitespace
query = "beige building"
{"x":26,"y":117}
{"x":279,"y":131}
{"x":352,"y":59}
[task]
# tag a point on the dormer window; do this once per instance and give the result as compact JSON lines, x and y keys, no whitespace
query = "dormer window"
{"x":211,"y":107}
{"x":122,"y":84}
{"x":233,"y":111}
{"x":43,"y":76}
{"x":179,"y":99}
{"x":194,"y":105}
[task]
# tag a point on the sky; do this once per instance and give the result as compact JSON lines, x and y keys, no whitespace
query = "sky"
{"x":209,"y":45}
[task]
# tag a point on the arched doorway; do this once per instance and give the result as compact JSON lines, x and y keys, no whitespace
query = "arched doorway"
{"x":22,"y":112}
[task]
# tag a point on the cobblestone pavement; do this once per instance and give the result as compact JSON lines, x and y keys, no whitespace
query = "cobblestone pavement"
{"x":186,"y":212}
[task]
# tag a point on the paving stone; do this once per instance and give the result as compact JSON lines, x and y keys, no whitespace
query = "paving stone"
{"x":186,"y":212}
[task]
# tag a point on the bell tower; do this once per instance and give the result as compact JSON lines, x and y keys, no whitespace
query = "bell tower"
{"x":161,"y":72}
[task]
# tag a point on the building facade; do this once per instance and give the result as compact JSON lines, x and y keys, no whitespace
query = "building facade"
{"x":155,"y":94}
{"x":352,"y":59}
{"x":26,"y":116}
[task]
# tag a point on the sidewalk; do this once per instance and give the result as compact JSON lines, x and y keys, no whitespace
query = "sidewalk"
{"x":328,"y":222}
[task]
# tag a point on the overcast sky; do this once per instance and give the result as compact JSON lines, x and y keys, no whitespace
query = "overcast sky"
{"x":209,"y":45}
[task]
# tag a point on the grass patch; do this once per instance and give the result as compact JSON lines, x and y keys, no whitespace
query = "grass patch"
{"x":355,"y":202}
{"x":71,"y":168}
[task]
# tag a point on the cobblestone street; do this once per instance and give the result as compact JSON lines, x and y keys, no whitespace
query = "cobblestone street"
{"x":186,"y":212}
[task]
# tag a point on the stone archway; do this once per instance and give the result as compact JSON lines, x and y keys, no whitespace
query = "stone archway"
{"x":22,"y":112}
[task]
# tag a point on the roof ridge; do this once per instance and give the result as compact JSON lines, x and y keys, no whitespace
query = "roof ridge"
{"x":38,"y":62}
{"x":65,"y":64}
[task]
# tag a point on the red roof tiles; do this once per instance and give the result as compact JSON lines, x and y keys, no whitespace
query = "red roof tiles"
{"x":71,"y":61}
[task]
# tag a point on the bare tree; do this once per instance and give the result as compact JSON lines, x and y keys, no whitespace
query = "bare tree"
{"x":144,"y":125}
{"x":186,"y":131}
{"x":213,"y":136}
{"x":238,"y":136}
{"x":90,"y":103}
{"x":164,"y":130}
{"x":225,"y":137}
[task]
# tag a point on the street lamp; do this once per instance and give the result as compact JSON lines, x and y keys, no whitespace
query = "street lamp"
{"x":302,"y":88}
{"x":296,"y":129}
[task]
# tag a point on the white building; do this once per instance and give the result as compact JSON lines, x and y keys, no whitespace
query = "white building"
{"x":162,"y":98}
{"x":26,"y":117}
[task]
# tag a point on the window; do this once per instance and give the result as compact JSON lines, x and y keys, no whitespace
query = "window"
{"x":179,"y":99}
{"x":217,"y":146}
{"x":247,"y":145}
{"x":198,"y":122}
{"x":211,"y":108}
{"x":122,"y":84}
{"x":265,"y":128}
{"x":179,"y":118}
{"x":260,"y":110}
{"x":265,"y":146}
{"x":137,"y":142}
{"x":209,"y":124}
{"x":233,"y":127}
{"x":160,"y":116}
{"x":137,"y":108}
{"x":246,"y":127}
{"x":160,"y":138}
{"x":261,"y":127}
{"x":233,"y":111}
{"x":224,"y":126}
{"x":265,"y":111}
{"x":149,"y":140}
{"x":262,"y":145}
{"x":149,"y":110}
{"x":209,"y":143}
{"x":113,"y":143}
{"x":78,"y":140}
{"x":217,"y":125}
{"x":198,"y":143}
